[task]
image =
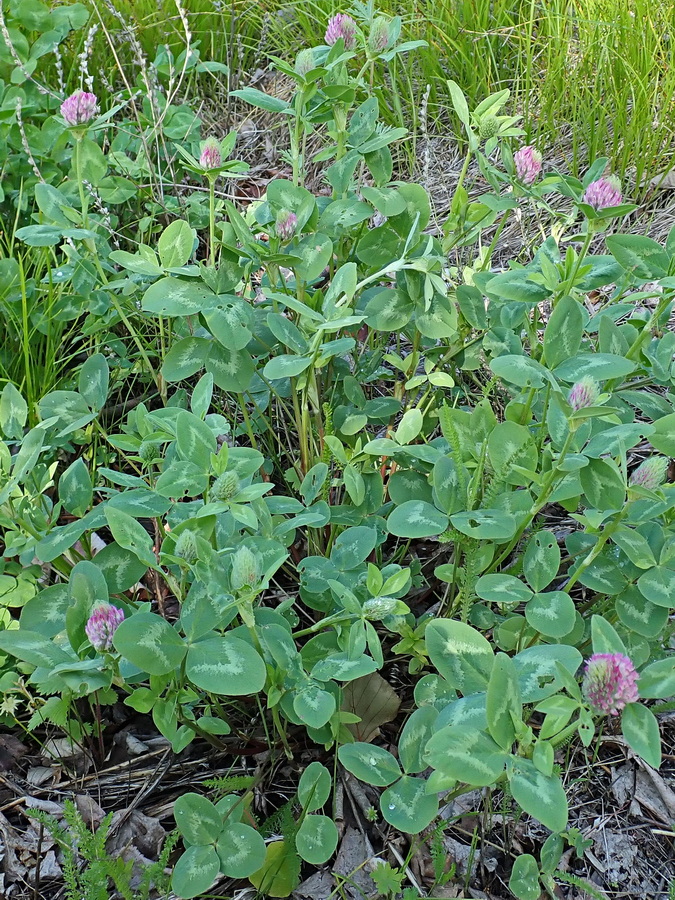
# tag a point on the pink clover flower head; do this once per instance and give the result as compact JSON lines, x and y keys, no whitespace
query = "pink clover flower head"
{"x":603,"y":192}
{"x":610,"y":683}
{"x":651,"y":473}
{"x":341,"y":26}
{"x":102,"y":624}
{"x":528,"y":164}
{"x":80,"y":108}
{"x":583,"y":394}
{"x":211,"y":156}
{"x":286,"y":224}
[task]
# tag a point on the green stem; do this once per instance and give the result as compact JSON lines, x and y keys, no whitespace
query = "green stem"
{"x":582,"y":255}
{"x":542,"y":500}
{"x":495,"y":239}
{"x":247,"y":421}
{"x":596,"y":550}
{"x":281,"y":731}
{"x":302,"y":437}
{"x":156,"y":377}
{"x":80,"y":182}
{"x":25,"y":337}
{"x":567,"y":732}
{"x":462,"y":175}
{"x":212,"y":221}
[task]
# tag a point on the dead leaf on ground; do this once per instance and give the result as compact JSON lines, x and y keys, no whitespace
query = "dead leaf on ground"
{"x":374,"y":701}
{"x":617,"y":853}
{"x":643,"y":788}
{"x":20,"y":852}
{"x":11,"y":749}
{"x":135,"y":836}
{"x":91,"y":812}
{"x":39,"y":775}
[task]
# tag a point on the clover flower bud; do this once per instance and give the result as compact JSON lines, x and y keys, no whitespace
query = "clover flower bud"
{"x":245,"y":569}
{"x":80,"y":108}
{"x":102,"y":624}
{"x":304,"y":61}
{"x":378,"y":37}
{"x":147,"y":451}
{"x":341,"y":26}
{"x":225,"y":486}
{"x":584,"y":394}
{"x":379,"y":607}
{"x":286,"y":224}
{"x":651,"y":473}
{"x":603,"y":192}
{"x":186,"y":546}
{"x":211,"y":156}
{"x":528,"y":164}
{"x":488,"y":127}
{"x":610,"y":683}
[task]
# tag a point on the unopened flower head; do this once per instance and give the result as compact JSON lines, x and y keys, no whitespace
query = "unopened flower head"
{"x":147,"y":451}
{"x":379,"y":607}
{"x":610,"y":683}
{"x":245,"y":569}
{"x":378,"y":38}
{"x":341,"y":26}
{"x":225,"y":486}
{"x":186,"y":546}
{"x":211,"y":156}
{"x":102,"y":624}
{"x":305,"y":61}
{"x":604,"y":192}
{"x":488,"y":127}
{"x":528,"y":164}
{"x":80,"y":108}
{"x":584,"y":394}
{"x":651,"y":473}
{"x":286,"y":224}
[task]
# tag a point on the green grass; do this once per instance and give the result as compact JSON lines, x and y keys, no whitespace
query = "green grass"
{"x":591,"y":77}
{"x":40,"y":331}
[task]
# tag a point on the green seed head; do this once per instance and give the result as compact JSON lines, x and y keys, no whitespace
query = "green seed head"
{"x":225,"y":486}
{"x":304,"y":61}
{"x":245,"y":569}
{"x":147,"y":452}
{"x":186,"y":546}
{"x":488,"y":128}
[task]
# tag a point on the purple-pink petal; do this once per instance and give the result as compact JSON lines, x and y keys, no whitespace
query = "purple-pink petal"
{"x":583,"y":394}
{"x":610,"y":683}
{"x":528,"y":164}
{"x":211,"y":155}
{"x":603,"y":192}
{"x":341,"y":26}
{"x":102,"y":624}
{"x":80,"y":108}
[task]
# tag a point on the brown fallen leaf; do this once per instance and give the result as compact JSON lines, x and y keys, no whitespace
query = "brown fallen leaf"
{"x":91,"y":812}
{"x":135,"y":836}
{"x":638,"y":786}
{"x":11,"y":749}
{"x":374,"y":701}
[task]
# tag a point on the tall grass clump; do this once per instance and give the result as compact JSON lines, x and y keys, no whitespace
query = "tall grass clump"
{"x":311,"y":477}
{"x":590,"y":77}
